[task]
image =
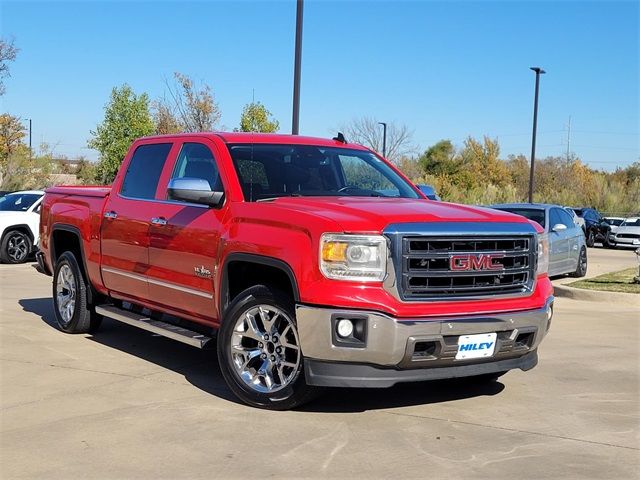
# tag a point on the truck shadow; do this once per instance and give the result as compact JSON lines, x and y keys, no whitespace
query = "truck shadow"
{"x":200,"y":369}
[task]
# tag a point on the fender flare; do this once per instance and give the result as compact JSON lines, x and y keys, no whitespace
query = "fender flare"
{"x":223,"y":297}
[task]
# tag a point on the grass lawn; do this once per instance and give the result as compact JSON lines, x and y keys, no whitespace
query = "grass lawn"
{"x":621,"y":281}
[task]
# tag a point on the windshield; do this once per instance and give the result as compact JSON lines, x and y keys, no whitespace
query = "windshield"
{"x":631,"y":222}
{"x":531,"y":213}
{"x":267,"y":171}
{"x":18,"y":202}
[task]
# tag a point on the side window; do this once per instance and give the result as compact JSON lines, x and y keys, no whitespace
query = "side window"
{"x":196,"y":161}
{"x":554,"y":218}
{"x":566,"y":219}
{"x":143,"y":172}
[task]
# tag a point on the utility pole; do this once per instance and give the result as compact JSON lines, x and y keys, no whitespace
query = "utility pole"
{"x":539,"y":71}
{"x":30,"y":132}
{"x":384,"y":138}
{"x":568,"y":138}
{"x":295,"y":123}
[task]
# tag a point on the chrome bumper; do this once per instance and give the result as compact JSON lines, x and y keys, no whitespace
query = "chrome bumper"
{"x":420,"y":342}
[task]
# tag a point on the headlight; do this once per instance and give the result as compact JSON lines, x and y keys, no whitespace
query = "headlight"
{"x":353,"y":257}
{"x":543,"y":254}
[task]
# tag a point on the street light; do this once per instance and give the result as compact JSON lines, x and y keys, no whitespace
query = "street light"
{"x":295,"y":122}
{"x":384,"y":138}
{"x":539,"y":72}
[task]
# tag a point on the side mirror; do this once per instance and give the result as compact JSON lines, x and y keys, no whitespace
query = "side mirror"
{"x":559,"y":227}
{"x":194,"y":190}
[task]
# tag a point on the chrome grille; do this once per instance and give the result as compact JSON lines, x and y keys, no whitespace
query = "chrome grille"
{"x":427,"y":273}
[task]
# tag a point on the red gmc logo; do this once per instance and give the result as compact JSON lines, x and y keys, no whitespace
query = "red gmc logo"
{"x":473,"y":261}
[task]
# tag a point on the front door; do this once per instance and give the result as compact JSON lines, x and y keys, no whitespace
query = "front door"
{"x":125,"y":223}
{"x":184,"y":240}
{"x":558,"y":244}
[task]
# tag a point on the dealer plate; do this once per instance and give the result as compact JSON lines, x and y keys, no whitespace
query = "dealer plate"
{"x":476,"y":346}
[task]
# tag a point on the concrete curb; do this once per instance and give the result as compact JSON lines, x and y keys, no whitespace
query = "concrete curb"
{"x":597,"y":295}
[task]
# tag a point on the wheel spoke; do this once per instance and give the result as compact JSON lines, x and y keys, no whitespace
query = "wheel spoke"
{"x":267,"y":322}
{"x":252,"y":330}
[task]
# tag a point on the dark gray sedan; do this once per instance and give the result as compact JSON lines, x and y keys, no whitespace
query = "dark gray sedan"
{"x":567,"y":246}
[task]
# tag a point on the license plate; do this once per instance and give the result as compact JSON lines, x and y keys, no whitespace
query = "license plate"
{"x":476,"y":346}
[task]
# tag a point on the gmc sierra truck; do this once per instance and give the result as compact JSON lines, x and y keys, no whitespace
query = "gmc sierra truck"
{"x":309,"y":262}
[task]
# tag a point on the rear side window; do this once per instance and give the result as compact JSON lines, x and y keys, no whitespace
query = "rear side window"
{"x":143,"y":172}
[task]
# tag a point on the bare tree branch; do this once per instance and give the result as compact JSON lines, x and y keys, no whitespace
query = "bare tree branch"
{"x":368,"y":132}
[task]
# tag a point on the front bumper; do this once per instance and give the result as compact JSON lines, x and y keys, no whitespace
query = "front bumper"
{"x":624,"y":242}
{"x":417,"y":349}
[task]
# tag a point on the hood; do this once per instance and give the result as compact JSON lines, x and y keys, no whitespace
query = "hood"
{"x":630,"y":229}
{"x":373,"y":214}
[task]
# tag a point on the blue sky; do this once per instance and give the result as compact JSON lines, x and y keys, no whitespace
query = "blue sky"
{"x":446,"y":69}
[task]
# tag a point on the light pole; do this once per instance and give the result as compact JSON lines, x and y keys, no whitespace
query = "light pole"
{"x":384,"y":138}
{"x":295,"y":122}
{"x":30,"y":151}
{"x":539,"y":71}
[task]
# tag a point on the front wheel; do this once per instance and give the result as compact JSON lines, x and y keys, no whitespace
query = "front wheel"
{"x":259,"y":351}
{"x":16,"y":247}
{"x":72,"y":310}
{"x":591,"y":239}
{"x":581,"y":269}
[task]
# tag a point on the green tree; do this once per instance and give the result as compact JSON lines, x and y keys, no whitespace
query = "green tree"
{"x":256,"y":118}
{"x":12,"y":133}
{"x":439,"y":159}
{"x":126,"y":118}
{"x":25,"y":172}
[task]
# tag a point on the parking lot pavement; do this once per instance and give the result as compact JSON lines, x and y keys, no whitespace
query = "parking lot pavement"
{"x":604,"y":260}
{"x":126,"y":404}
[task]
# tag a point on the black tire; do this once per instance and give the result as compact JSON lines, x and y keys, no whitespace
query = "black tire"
{"x":591,"y":238}
{"x":581,"y":269}
{"x":80,"y":317}
{"x":16,"y":247}
{"x":293,"y":393}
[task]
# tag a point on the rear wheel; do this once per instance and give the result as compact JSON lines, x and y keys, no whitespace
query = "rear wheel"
{"x":259,"y":351}
{"x":581,"y":269}
{"x":72,"y":310}
{"x":16,"y":247}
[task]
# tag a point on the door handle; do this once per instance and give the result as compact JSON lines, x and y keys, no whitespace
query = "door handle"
{"x":111,"y":215}
{"x":160,"y":221}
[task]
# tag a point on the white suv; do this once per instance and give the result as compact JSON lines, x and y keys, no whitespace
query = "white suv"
{"x":19,"y":223}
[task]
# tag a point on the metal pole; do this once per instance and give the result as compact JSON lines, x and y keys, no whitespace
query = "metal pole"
{"x":384,"y":139}
{"x":295,"y":123}
{"x":30,"y":151}
{"x":538,"y":71}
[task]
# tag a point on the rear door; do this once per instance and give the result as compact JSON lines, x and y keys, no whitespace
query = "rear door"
{"x":126,"y":219}
{"x":184,"y":240}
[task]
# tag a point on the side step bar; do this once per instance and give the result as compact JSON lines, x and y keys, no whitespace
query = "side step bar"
{"x":158,"y":327}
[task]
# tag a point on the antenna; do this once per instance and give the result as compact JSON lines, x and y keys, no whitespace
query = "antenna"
{"x":340,"y":138}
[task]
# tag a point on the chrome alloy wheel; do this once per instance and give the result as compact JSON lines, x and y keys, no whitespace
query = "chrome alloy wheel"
{"x":265,"y":349}
{"x":66,"y":293}
{"x":17,"y":248}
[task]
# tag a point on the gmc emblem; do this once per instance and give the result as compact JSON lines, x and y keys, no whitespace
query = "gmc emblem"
{"x":475,"y":261}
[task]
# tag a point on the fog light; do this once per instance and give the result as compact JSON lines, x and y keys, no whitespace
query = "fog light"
{"x":345,"y":328}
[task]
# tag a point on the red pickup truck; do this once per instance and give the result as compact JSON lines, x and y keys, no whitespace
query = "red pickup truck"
{"x":312,"y":262}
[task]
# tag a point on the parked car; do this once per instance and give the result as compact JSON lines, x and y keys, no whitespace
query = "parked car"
{"x":627,"y":234}
{"x":19,"y":220}
{"x":576,"y":219}
{"x":429,"y":192}
{"x":567,"y":245}
{"x":595,"y":228}
{"x":614,"y":222}
{"x":287,"y":249}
